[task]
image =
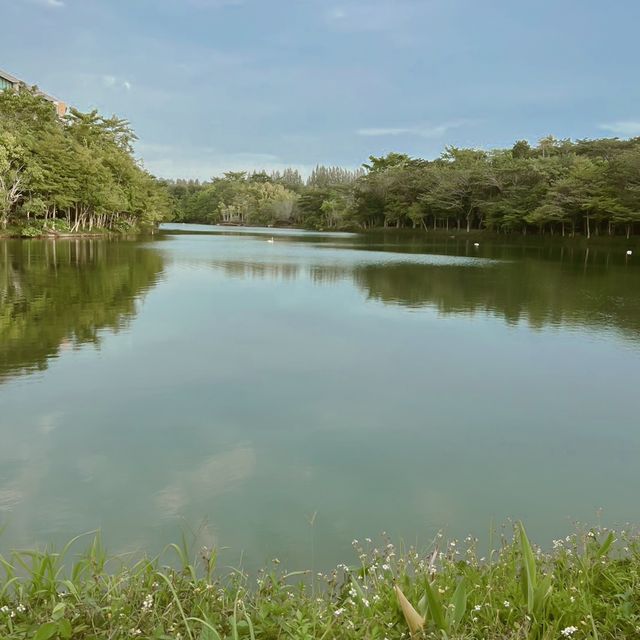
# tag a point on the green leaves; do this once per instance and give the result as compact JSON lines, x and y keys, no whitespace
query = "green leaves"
{"x":46,"y":631}
{"x":536,"y":591}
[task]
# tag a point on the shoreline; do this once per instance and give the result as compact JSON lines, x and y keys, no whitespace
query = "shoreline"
{"x":583,"y":588}
{"x":440,"y":234}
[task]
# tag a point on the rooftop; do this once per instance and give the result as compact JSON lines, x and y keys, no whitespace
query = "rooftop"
{"x":60,"y":106}
{"x":9,"y":77}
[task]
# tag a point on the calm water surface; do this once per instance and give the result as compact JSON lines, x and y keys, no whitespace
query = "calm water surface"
{"x":208,"y":379}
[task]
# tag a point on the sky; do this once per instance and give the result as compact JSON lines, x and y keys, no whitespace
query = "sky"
{"x":217,"y":85}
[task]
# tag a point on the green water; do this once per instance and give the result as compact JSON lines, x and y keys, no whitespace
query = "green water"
{"x":221,"y":383}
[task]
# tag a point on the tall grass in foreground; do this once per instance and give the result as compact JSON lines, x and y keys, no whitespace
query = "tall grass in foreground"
{"x":586,"y":586}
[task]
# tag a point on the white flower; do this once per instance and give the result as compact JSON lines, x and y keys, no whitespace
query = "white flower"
{"x":338,"y":612}
{"x":385,"y":567}
{"x":148,"y":603}
{"x":477,"y":607}
{"x":4,"y":609}
{"x":567,"y":632}
{"x":21,"y":608}
{"x":507,"y":604}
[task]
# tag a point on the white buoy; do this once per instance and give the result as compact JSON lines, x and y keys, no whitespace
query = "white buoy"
{"x":629,"y":252}
{"x":476,"y":244}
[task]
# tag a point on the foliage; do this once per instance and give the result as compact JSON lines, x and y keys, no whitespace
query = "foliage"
{"x":557,"y":187}
{"x":75,"y":174}
{"x":586,"y":586}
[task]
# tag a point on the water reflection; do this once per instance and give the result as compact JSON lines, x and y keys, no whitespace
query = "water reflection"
{"x":553,"y":290}
{"x":57,"y":295}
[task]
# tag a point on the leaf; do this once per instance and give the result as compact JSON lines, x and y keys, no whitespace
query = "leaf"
{"x":58,"y":611}
{"x":415,"y":621}
{"x":459,"y":602}
{"x":529,"y":562}
{"x":64,"y":629}
{"x":435,"y":607}
{"x":46,"y":631}
{"x":606,"y":545}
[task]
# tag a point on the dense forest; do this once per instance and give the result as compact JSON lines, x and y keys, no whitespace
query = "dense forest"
{"x":590,"y":187}
{"x":77,"y":173}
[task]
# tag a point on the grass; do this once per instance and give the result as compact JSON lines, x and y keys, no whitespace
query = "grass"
{"x":586,"y":586}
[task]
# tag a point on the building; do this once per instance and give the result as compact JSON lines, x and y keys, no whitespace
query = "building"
{"x":7,"y":81}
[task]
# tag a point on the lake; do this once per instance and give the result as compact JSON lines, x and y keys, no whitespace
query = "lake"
{"x":280,"y":398}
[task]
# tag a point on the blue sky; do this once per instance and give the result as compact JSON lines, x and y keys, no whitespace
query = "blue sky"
{"x":213,"y":85}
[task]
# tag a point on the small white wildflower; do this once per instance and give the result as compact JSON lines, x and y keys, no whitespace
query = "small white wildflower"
{"x":567,"y":632}
{"x":21,"y":608}
{"x":506,"y":604}
{"x":365,"y":602}
{"x":385,"y":567}
{"x":4,"y":609}
{"x":369,"y":540}
{"x":572,"y":599}
{"x":354,"y":542}
{"x":338,"y":612}
{"x":352,"y":592}
{"x":135,"y":632}
{"x":477,"y":607}
{"x":376,"y":598}
{"x":148,"y":603}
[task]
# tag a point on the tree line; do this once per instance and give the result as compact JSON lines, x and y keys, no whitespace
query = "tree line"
{"x":76,"y":173}
{"x":565,"y":187}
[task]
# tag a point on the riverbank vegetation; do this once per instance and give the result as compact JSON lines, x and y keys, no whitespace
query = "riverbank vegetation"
{"x":585,"y":586}
{"x":563,"y":187}
{"x":70,"y":175}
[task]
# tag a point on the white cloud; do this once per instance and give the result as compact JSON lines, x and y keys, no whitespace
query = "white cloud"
{"x":177,"y":161}
{"x":53,"y":4}
{"x":435,"y":131}
{"x":623,"y":127}
{"x":371,"y":16}
{"x":112,"y":82}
